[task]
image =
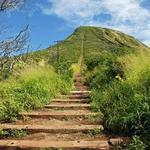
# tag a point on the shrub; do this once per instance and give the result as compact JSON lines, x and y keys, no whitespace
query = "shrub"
{"x":136,"y":144}
{"x":107,"y":70}
{"x":93,"y":62}
{"x":33,"y":88}
{"x":125,"y":94}
{"x":126,"y":106}
{"x":14,"y":133}
{"x":121,"y":91}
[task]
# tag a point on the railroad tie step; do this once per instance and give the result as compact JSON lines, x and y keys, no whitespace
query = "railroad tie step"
{"x":68,"y":106}
{"x":65,"y":145}
{"x":55,"y":128}
{"x":57,"y":115}
{"x":80,"y":92}
{"x":71,"y":100}
{"x":81,"y":88}
{"x":83,"y":96}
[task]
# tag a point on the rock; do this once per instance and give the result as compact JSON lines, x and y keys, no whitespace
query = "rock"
{"x":115,"y":141}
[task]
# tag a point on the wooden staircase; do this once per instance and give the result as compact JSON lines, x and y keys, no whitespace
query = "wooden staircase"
{"x":65,"y":123}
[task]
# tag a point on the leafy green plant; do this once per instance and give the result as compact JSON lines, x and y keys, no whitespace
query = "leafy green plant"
{"x":12,"y":133}
{"x":34,"y":87}
{"x":136,"y":144}
{"x":105,"y":72}
{"x":121,"y":91}
{"x":94,"y":132}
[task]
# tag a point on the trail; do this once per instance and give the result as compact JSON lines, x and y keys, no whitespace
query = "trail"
{"x":67,"y":123}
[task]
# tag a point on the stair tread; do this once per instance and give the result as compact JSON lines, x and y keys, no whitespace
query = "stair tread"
{"x":67,"y":105}
{"x":58,"y":114}
{"x":97,"y":145}
{"x":82,"y":136}
{"x":75,"y":96}
{"x":80,"y":92}
{"x":61,"y":112}
{"x":71,"y":100}
{"x":54,"y":126}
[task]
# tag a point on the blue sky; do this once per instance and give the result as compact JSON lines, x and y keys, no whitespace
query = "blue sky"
{"x":52,"y":20}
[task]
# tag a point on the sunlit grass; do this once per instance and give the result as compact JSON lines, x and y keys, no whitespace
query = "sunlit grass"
{"x":75,"y":68}
{"x":34,"y":87}
{"x":121,"y":91}
{"x":134,"y":63}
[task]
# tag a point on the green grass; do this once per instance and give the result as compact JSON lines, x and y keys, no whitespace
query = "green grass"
{"x":121,"y":91}
{"x":34,"y":87}
{"x":118,"y":73}
{"x":134,"y":64}
{"x":117,"y":69}
{"x":12,"y":133}
{"x":136,"y":144}
{"x":96,"y":41}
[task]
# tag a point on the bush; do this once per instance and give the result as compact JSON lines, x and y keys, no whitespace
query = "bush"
{"x":105,"y":72}
{"x":126,"y":106}
{"x":12,"y":133}
{"x":121,"y":91}
{"x":136,"y":144}
{"x":93,"y":61}
{"x":32,"y":89}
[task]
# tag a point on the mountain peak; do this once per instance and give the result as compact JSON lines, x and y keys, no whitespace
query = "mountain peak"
{"x":105,"y":38}
{"x":96,"y":40}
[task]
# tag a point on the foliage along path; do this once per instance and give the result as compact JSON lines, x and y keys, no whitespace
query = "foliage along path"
{"x":67,"y":123}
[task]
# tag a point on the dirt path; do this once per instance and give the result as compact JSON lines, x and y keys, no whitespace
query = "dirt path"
{"x":66,"y":123}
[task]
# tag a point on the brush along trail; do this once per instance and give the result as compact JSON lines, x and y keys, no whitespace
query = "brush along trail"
{"x":67,"y":123}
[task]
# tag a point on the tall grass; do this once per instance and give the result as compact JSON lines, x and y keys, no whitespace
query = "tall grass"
{"x":32,"y":88}
{"x":121,"y":91}
{"x":135,"y":63}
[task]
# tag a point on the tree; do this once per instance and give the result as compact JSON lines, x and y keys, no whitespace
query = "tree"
{"x":10,"y":4}
{"x":13,"y":50}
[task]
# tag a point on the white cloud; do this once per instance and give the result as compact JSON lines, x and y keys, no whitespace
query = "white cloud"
{"x":126,"y":15}
{"x":74,"y":11}
{"x":147,"y":43}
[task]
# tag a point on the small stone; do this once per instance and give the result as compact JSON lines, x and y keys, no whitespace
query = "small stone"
{"x":115,"y":141}
{"x":12,"y":143}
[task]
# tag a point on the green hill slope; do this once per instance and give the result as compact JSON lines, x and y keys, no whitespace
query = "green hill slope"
{"x":96,"y":40}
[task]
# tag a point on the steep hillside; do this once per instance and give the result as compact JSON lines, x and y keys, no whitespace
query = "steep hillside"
{"x":96,"y":40}
{"x":119,"y":78}
{"x":117,"y":73}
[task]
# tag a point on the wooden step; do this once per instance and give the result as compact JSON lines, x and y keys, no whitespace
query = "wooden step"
{"x":81,"y":88}
{"x":78,"y":84}
{"x":58,"y":114}
{"x":80,"y":92}
{"x":54,"y":128}
{"x":71,"y":100}
{"x":65,"y":145}
{"x":68,"y":106}
{"x":83,"y":96}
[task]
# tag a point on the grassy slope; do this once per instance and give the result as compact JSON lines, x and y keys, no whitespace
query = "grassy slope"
{"x":119,"y":78}
{"x":31,"y":89}
{"x":110,"y":46}
{"x":116,"y":95}
{"x":96,"y":40}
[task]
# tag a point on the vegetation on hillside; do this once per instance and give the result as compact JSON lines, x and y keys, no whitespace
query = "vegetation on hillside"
{"x":34,"y":87}
{"x":27,"y":81}
{"x":96,"y":41}
{"x":117,"y":70}
{"x":121,"y":91}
